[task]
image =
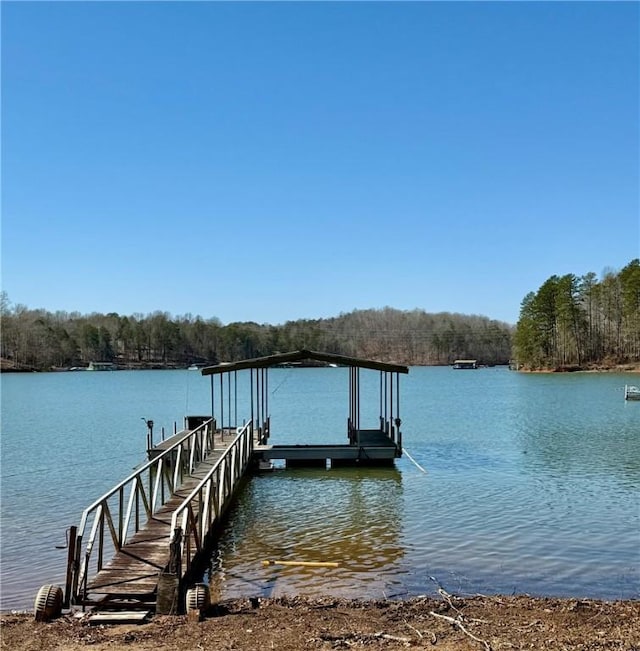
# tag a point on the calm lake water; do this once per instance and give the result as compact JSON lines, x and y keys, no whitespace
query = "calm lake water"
{"x":532,"y":482}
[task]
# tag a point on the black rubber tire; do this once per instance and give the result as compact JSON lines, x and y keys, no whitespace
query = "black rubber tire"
{"x":48,"y":604}
{"x":198,"y":598}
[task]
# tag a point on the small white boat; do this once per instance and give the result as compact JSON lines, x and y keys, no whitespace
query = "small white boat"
{"x":631,"y":392}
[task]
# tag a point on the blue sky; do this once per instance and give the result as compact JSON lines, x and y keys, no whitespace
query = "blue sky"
{"x":276,"y":161}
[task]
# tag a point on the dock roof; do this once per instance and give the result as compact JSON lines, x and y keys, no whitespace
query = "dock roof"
{"x":299,"y":356}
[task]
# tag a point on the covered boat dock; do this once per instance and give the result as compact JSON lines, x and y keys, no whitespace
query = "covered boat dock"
{"x":373,"y":446}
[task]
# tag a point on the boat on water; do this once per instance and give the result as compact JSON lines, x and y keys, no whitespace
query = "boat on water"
{"x":631,"y":392}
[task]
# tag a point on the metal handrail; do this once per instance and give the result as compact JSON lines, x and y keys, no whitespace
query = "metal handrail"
{"x":195,"y":518}
{"x":136,"y":499}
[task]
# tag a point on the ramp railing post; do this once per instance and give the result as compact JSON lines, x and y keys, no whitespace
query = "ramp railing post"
{"x":71,"y":566}
{"x":76,"y":569}
{"x":169,"y":594}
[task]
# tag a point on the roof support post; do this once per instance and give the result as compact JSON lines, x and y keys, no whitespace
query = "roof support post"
{"x":267,"y":415}
{"x":262,"y":388}
{"x":350,"y":416}
{"x":221,"y":406}
{"x":235,"y":390}
{"x":251,"y":393}
{"x":386,"y":400}
{"x":229,"y":399}
{"x":380,"y":411}
{"x":213,"y":416}
{"x":358,"y":402}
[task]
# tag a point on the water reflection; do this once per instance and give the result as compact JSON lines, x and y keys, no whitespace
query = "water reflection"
{"x":349,"y":516}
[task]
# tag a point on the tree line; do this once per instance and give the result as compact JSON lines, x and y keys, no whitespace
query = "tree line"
{"x":578,"y":321}
{"x":42,"y":340}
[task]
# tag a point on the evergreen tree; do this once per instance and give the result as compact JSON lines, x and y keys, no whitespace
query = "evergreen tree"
{"x":571,"y":321}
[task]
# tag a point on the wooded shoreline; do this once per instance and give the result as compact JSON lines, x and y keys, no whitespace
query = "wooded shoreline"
{"x":41,"y":340}
{"x":8,"y":367}
{"x":572,"y":323}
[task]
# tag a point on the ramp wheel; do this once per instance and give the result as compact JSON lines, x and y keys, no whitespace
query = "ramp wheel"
{"x":48,"y":603}
{"x":198,"y":598}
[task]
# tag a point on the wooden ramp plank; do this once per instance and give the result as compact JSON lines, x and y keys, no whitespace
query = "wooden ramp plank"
{"x":120,"y":617}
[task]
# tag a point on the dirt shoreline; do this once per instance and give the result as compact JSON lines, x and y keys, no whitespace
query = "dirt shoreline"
{"x":290,"y":624}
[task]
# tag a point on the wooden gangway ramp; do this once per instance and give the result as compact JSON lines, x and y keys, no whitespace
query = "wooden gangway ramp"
{"x":135,"y":534}
{"x":133,"y":571}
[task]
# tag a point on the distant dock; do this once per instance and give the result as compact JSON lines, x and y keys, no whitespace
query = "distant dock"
{"x":468,"y":364}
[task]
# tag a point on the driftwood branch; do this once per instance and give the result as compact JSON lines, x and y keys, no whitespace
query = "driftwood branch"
{"x":446,"y":596}
{"x":413,"y":628}
{"x":457,"y":623}
{"x":395,"y":638}
{"x":434,"y":638}
{"x":349,"y":638}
